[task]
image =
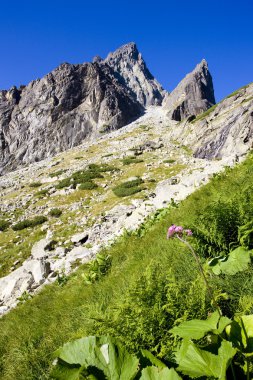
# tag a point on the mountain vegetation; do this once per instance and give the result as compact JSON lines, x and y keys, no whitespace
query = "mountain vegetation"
{"x":151,"y":286}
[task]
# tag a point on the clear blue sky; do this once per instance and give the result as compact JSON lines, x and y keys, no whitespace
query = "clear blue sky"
{"x":173,"y":36}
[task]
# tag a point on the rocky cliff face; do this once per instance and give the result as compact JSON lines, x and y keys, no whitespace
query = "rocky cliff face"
{"x":225,"y":130}
{"x":193,"y":95}
{"x":73,"y":103}
{"x":132,"y":72}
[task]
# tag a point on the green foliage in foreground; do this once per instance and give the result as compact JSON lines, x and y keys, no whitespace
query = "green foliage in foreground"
{"x":40,"y":219}
{"x":105,"y":358}
{"x":152,"y":286}
{"x":128,"y":188}
{"x":225,"y":348}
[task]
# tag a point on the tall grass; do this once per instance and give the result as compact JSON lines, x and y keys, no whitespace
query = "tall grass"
{"x":152,"y":283}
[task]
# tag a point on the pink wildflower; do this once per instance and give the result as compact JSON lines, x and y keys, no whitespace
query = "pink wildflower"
{"x":188,"y":232}
{"x":179,"y":229}
{"x":171,"y":231}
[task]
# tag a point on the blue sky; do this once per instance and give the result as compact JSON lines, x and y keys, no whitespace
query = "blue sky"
{"x":173,"y":36}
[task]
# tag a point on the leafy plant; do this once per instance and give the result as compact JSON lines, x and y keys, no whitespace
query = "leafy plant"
{"x":237,"y":261}
{"x":97,"y":268}
{"x":223,"y":343}
{"x":105,"y":358}
{"x":62,"y":278}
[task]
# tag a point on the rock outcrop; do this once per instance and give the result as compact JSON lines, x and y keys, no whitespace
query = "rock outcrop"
{"x":192,"y":96}
{"x":132,"y":71}
{"x":225,"y":130}
{"x":73,"y":103}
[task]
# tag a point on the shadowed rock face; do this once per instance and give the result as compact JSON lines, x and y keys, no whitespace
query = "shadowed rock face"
{"x":73,"y":103}
{"x":192,"y":96}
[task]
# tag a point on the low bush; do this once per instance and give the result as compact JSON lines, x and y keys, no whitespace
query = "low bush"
{"x":35,"y":184}
{"x":89,"y":185}
{"x":56,"y":212}
{"x":40,"y":219}
{"x":4,"y":224}
{"x":131,"y":160}
{"x":41,"y":192}
{"x":128,"y":188}
{"x":66,"y":182}
{"x":57,"y":173}
{"x":85,"y":177}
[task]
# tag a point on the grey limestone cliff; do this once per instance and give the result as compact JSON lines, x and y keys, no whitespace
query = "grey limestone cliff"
{"x":193,"y":95}
{"x":73,"y":103}
{"x":132,"y":71}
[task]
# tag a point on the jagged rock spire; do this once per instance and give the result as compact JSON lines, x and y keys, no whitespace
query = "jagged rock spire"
{"x":193,"y":95}
{"x":131,"y":69}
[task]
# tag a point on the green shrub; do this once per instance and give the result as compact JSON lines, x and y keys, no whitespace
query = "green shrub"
{"x":57,"y":173}
{"x":131,"y":160}
{"x":4,"y":224}
{"x":35,"y":184}
{"x":170,"y":161}
{"x":128,"y":188}
{"x":89,"y":185}
{"x":66,"y":182}
{"x":41,"y":192}
{"x":205,"y":114}
{"x":40,"y":219}
{"x":56,"y":212}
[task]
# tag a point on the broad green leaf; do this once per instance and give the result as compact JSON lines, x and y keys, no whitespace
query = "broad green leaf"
{"x":152,"y":359}
{"x":195,"y":362}
{"x":238,"y":261}
{"x":196,"y":328}
{"x":103,"y":353}
{"x":223,"y":322}
{"x":246,"y":324}
{"x":65,"y":372}
{"x":154,"y":373}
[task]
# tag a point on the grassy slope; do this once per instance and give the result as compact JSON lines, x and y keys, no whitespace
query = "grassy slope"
{"x":30,"y":333}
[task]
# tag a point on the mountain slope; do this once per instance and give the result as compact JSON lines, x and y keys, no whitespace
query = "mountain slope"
{"x":152,"y":283}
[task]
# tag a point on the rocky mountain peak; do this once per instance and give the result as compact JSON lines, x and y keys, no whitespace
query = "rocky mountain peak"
{"x":193,"y":95}
{"x":132,"y":71}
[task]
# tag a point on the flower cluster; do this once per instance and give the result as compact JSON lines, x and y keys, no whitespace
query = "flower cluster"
{"x":178,"y":231}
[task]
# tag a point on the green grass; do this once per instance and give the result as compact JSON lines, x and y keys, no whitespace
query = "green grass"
{"x":203,"y":115}
{"x":152,"y":284}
